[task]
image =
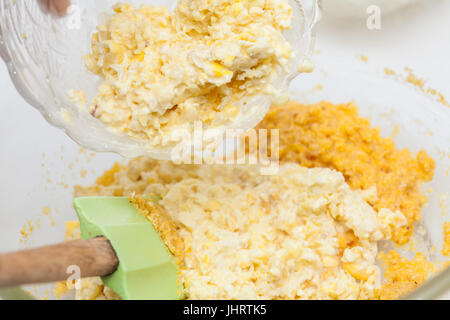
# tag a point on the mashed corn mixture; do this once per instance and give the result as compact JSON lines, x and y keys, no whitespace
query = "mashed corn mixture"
{"x":353,"y":147}
{"x":248,"y":236}
{"x":334,"y":136}
{"x":162,"y":70}
{"x":401,"y":275}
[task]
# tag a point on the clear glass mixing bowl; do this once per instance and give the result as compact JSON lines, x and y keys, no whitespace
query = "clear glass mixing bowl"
{"x":44,"y":58}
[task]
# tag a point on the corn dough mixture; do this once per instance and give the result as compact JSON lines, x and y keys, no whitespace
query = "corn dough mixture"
{"x":247,"y":236}
{"x":334,"y":136}
{"x":294,"y":221}
{"x":162,"y":70}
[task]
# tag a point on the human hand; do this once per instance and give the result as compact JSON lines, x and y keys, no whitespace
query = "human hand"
{"x":57,"y":8}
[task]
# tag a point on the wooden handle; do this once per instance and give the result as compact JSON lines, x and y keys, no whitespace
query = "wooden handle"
{"x":93,"y":257}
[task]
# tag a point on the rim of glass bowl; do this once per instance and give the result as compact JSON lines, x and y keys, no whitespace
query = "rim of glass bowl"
{"x":12,"y":55}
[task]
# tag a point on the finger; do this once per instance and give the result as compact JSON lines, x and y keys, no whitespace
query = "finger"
{"x":55,"y":7}
{"x":59,"y":7}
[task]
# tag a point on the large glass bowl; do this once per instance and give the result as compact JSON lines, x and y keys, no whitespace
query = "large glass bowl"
{"x":388,"y":103}
{"x":44,"y":56}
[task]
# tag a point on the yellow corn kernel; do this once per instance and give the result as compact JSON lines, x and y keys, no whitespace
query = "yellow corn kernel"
{"x":60,"y":289}
{"x":356,"y":271}
{"x":116,"y":52}
{"x":220,"y":71}
{"x":237,"y":9}
{"x":95,"y":292}
{"x":139,"y":57}
{"x":72,"y":228}
{"x":95,"y":38}
{"x":24,"y":232}
{"x":121,"y":7}
{"x":229,"y":59}
{"x":246,"y":37}
{"x":114,"y":47}
{"x":214,"y":205}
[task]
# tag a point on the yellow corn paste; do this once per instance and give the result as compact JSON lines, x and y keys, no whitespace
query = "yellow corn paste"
{"x":336,"y":137}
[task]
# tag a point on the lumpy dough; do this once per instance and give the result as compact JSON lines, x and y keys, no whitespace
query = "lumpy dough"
{"x":300,"y":234}
{"x":162,"y":70}
{"x":336,"y":137}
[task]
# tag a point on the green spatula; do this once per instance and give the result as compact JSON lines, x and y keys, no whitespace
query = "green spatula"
{"x":119,"y":244}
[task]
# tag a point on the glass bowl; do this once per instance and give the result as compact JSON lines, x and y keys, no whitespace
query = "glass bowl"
{"x":44,"y":56}
{"x":388,"y":103}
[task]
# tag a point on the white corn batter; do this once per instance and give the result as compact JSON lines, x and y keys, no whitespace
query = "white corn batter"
{"x":163,"y":70}
{"x":301,"y":234}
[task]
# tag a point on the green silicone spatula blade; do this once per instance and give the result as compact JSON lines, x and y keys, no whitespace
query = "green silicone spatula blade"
{"x":147,"y":270}
{"x":15,"y":293}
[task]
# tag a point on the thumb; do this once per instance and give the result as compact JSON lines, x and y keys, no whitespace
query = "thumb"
{"x":55,"y":7}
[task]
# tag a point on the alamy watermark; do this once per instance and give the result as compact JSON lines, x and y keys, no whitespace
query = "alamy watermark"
{"x":227,"y":147}
{"x":374,"y":19}
{"x":73,"y":17}
{"x":74,"y":280}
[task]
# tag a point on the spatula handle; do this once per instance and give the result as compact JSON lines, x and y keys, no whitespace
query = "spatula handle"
{"x":92,"y":257}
